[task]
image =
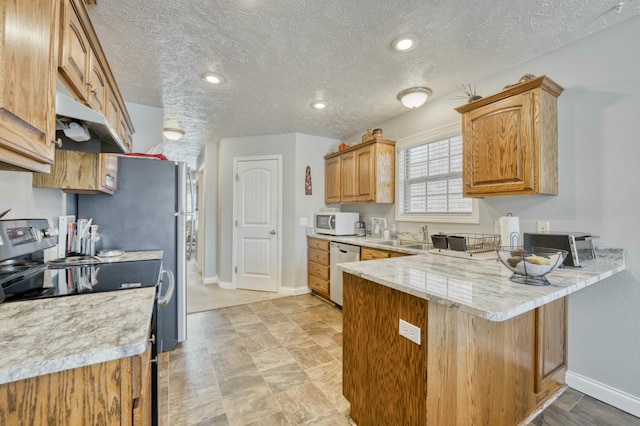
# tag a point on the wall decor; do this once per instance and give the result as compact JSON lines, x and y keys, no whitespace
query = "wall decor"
{"x":307,"y":181}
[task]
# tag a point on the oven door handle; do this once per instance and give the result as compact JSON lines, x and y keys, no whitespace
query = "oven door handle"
{"x":164,"y":300}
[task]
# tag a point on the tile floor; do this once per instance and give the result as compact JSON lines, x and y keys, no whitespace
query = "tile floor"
{"x":279,"y":362}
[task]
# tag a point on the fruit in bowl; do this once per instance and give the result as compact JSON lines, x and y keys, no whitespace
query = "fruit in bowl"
{"x":531,"y":264}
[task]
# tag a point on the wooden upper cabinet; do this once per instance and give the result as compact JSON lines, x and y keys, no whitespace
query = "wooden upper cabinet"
{"x":85,"y":71}
{"x":510,"y":141}
{"x":97,"y":87}
{"x":75,"y":53}
{"x":81,"y":173}
{"x":348,"y":178}
{"x":366,"y":173}
{"x":332,"y":181}
{"x":28,"y":36}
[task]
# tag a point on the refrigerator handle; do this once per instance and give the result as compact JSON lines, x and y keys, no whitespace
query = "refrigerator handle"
{"x":164,"y":300}
{"x":192,"y":215}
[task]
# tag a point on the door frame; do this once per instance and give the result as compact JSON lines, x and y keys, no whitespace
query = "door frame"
{"x":234,"y":243}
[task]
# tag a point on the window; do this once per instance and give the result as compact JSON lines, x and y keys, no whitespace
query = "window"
{"x":430,"y":180}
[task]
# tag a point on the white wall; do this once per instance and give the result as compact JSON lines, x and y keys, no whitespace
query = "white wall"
{"x":148,"y":123}
{"x":599,"y":192}
{"x":310,"y":151}
{"x":208,"y":247}
{"x":24,"y":201}
{"x":297,"y":152}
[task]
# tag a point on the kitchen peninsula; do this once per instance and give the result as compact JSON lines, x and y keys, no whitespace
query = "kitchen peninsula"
{"x":491,"y":351}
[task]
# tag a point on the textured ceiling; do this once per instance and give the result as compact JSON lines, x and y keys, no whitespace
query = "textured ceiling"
{"x":278,"y":56}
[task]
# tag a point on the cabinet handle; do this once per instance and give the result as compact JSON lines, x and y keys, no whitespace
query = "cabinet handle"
{"x":58,"y":142}
{"x":152,"y":339}
{"x":468,"y":184}
{"x":154,"y":360}
{"x":93,"y":92}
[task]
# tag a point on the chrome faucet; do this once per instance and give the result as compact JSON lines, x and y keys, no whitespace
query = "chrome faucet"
{"x":425,"y":233}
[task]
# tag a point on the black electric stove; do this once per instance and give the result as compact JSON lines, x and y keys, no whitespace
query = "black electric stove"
{"x":55,"y":280}
{"x":25,"y":276}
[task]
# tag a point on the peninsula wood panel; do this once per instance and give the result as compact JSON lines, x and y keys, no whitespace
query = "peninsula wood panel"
{"x":485,"y":369}
{"x":384,"y":374}
{"x":91,"y":395}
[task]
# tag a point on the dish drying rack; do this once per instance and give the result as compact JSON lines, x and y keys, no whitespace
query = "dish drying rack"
{"x":470,"y":244}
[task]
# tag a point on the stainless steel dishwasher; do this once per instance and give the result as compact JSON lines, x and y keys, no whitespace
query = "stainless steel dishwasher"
{"x":340,"y":253}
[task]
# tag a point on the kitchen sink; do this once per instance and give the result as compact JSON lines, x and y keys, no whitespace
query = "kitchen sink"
{"x":396,"y":243}
{"x":425,"y":246}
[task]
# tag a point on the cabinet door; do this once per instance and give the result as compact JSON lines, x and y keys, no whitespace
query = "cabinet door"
{"x":365,"y":174}
{"x":551,"y":347}
{"x":74,"y":53}
{"x":332,"y":181}
{"x":112,"y":110}
{"x":108,"y":172}
{"x":27,"y":83}
{"x":348,"y":192}
{"x":97,"y":85}
{"x":498,"y":147}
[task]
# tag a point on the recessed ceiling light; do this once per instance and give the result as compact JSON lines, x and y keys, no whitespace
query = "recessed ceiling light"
{"x":404,"y":42}
{"x":319,"y":104}
{"x":213,"y":78}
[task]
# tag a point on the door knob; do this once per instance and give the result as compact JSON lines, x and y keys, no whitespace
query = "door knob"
{"x":273,"y":232}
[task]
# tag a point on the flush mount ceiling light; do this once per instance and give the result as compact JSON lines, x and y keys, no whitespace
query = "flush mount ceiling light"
{"x":212,"y":77}
{"x":319,"y":104}
{"x":414,"y":97}
{"x":404,"y":42}
{"x":172,"y":134}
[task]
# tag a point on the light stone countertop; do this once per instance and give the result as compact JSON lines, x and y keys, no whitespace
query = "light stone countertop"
{"x":49,"y":335}
{"x":480,"y":288}
{"x":133,"y":256}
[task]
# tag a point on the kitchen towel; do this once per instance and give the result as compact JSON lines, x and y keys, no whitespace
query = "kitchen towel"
{"x":509,"y":231}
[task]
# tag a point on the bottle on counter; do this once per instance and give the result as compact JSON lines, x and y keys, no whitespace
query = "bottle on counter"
{"x":394,"y":232}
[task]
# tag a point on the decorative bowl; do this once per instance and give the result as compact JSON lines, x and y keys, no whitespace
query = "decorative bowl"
{"x":530,"y":265}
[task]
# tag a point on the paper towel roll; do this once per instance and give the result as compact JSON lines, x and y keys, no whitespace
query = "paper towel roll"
{"x":510,"y":231}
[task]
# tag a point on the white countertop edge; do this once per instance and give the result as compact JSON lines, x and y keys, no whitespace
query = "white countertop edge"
{"x":76,"y":361}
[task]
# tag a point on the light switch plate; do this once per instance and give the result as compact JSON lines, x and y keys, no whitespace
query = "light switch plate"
{"x":303,"y":221}
{"x":410,"y":331}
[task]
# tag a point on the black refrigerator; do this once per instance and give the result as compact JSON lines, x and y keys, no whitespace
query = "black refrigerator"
{"x":149,"y":211}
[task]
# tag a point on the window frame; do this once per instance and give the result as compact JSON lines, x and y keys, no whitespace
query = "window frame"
{"x":422,"y":138}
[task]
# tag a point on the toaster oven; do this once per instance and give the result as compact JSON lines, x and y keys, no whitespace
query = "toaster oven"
{"x":578,"y":244}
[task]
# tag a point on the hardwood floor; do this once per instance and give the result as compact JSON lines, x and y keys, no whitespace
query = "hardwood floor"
{"x":279,"y":362}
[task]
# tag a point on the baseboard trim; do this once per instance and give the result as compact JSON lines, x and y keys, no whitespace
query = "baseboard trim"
{"x":619,"y":399}
{"x":294,"y":291}
{"x":210,"y":280}
{"x":226,"y":285}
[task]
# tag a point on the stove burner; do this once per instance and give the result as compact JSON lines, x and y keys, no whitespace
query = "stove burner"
{"x":7,"y":267}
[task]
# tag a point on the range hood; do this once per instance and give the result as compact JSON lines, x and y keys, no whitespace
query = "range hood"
{"x":99,"y":129}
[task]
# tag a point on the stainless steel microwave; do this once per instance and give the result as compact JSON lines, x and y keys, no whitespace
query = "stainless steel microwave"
{"x":336,"y":223}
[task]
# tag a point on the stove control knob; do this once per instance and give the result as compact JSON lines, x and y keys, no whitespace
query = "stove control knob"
{"x":49,"y":232}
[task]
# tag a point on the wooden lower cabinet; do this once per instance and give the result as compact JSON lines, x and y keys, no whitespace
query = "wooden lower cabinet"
{"x":467,"y":371}
{"x":368,"y":253}
{"x":115,"y":392}
{"x":318,"y":266}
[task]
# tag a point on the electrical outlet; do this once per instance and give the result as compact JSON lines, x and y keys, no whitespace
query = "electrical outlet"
{"x":303,"y":221}
{"x":543,"y":226}
{"x":410,"y":331}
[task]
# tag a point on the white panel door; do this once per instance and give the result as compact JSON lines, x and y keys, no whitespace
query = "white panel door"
{"x":257,"y":225}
